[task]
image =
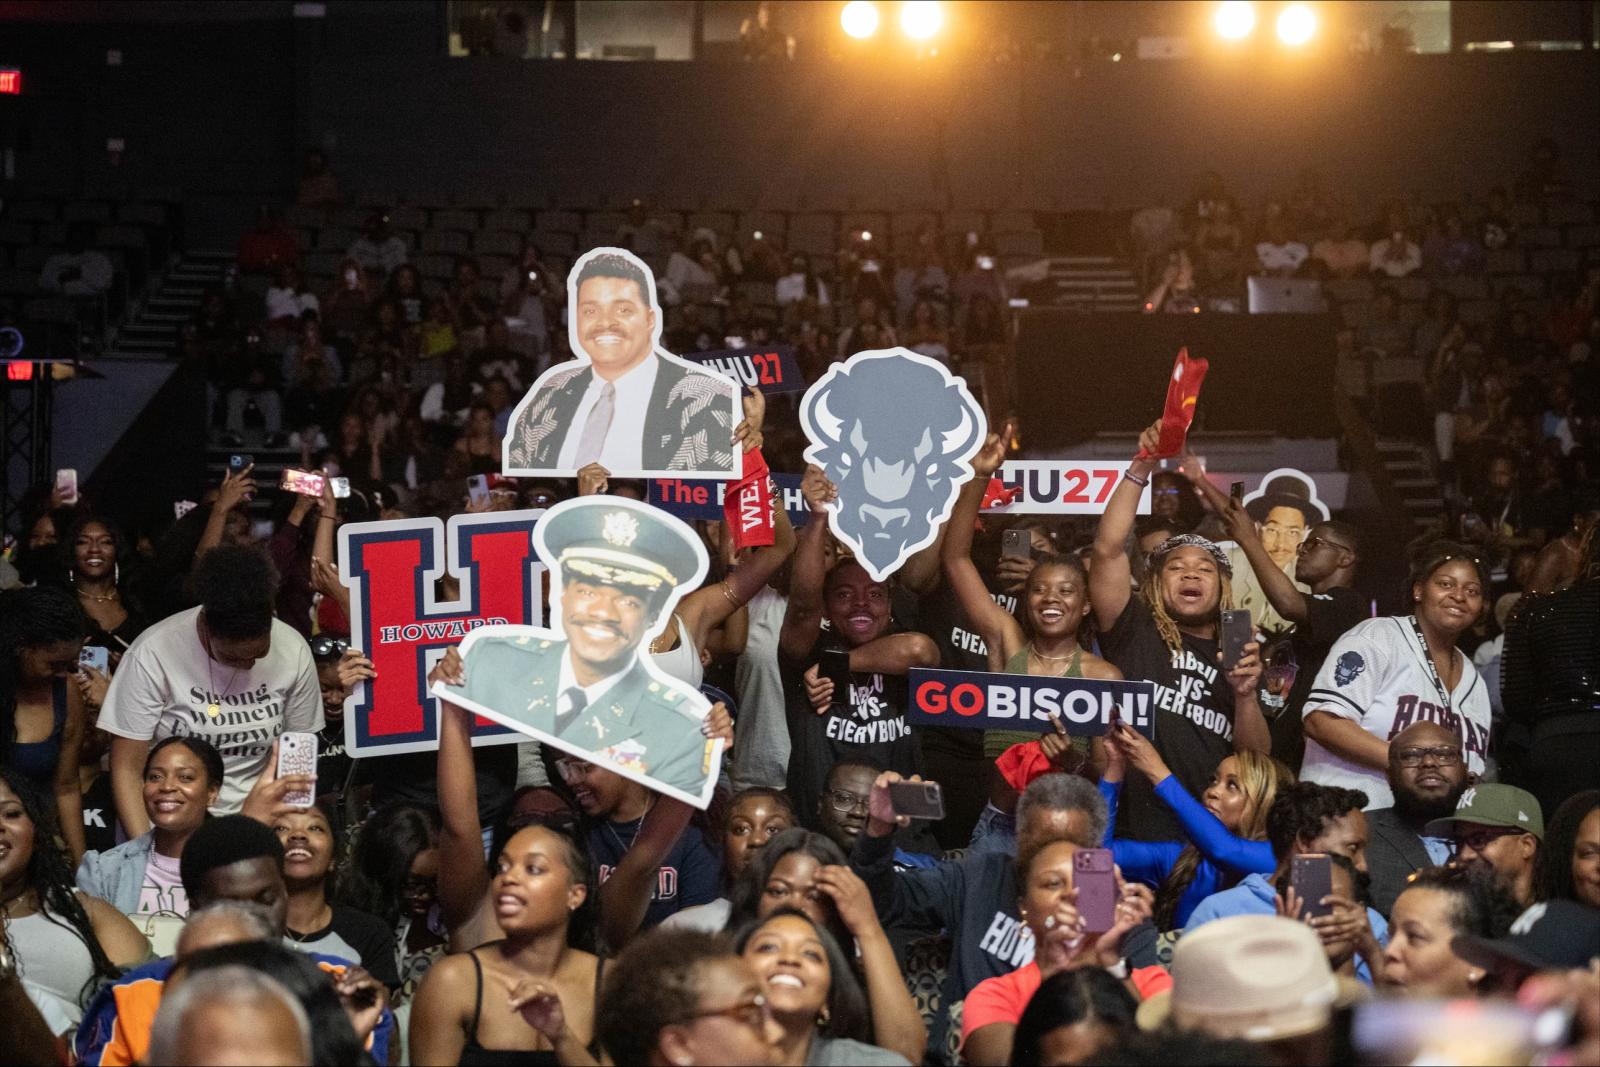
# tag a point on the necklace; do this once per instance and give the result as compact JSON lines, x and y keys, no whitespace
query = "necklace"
{"x":1048,"y":659}
{"x":97,"y":598}
{"x":214,"y":708}
{"x":611,"y":827}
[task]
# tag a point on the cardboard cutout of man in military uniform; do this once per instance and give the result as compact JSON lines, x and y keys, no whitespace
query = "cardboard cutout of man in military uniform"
{"x":589,"y":687}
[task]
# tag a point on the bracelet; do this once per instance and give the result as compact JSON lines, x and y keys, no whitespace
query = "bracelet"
{"x":330,"y":518}
{"x":727,"y":591}
{"x":1135,"y":479}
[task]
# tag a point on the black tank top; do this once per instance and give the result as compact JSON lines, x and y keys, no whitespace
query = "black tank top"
{"x":475,"y":1055}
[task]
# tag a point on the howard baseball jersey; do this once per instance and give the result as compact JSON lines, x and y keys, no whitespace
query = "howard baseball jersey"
{"x":1376,"y":675}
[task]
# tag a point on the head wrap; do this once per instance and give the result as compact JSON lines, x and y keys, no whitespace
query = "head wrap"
{"x":1158,"y":555}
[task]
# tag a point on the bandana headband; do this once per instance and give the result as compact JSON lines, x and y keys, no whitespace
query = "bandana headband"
{"x":1172,"y":544}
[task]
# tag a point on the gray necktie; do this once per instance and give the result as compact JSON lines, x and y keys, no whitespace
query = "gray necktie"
{"x":575,"y":700}
{"x":595,"y":427}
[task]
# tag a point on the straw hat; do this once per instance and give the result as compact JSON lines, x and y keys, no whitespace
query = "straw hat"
{"x":1250,"y":977}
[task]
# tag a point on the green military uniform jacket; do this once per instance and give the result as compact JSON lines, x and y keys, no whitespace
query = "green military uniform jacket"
{"x":639,"y":723}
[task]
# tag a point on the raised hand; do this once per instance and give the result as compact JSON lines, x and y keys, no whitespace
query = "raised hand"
{"x":1244,"y":677}
{"x":819,"y":690}
{"x":593,"y":479}
{"x":992,"y":454}
{"x":851,"y":899}
{"x":748,"y":432}
{"x":881,"y":817}
{"x":363,"y":998}
{"x":451,"y":669}
{"x":236,"y":488}
{"x":539,"y":1004}
{"x":718,"y":724}
{"x":265,"y":803}
{"x":817,"y":490}
{"x":355,"y":667}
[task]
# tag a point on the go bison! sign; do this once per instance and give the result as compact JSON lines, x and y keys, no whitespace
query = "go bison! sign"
{"x":390,"y":569}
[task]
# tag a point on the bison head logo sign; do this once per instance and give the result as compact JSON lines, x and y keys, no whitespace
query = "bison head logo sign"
{"x":894,"y":431}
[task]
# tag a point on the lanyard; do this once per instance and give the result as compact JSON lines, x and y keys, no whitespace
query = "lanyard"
{"x":1427,"y":659}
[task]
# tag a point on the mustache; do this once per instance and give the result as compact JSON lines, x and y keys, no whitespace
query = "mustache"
{"x":601,"y":623}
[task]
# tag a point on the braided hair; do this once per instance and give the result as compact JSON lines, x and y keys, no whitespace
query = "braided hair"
{"x":50,"y":877}
{"x":1166,"y":625}
{"x":1262,"y":777}
{"x":30,"y":618}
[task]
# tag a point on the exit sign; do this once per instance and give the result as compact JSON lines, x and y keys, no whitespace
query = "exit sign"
{"x":11,"y":82}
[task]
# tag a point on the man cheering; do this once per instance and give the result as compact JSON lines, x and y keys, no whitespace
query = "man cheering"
{"x":625,"y":404}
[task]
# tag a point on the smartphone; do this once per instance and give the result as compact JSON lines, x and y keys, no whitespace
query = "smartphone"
{"x":180,"y":508}
{"x":1236,"y":492}
{"x":237,"y":463}
{"x":297,"y":754}
{"x":341,"y":487}
{"x":478,"y":489}
{"x":306,"y":483}
{"x":1311,"y":875}
{"x":97,"y":657}
{"x":67,"y":485}
{"x":835,"y":666}
{"x":986,"y":263}
{"x":1237,"y":631}
{"x":918,"y":800}
{"x":1094,"y":876}
{"x":1017,"y":543}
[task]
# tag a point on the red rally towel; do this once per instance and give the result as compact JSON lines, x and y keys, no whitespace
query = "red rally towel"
{"x":747,"y":506}
{"x":1183,"y":390}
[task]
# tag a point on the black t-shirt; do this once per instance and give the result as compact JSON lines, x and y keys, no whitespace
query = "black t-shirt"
{"x":871,"y":727}
{"x":1328,"y":616}
{"x":1193,"y":716}
{"x":99,"y":815}
{"x":688,"y":877}
{"x":355,"y":936}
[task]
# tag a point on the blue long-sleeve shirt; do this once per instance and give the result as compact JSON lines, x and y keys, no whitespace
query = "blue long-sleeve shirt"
{"x":1225,"y":857}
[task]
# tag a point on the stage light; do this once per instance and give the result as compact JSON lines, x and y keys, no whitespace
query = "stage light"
{"x":859,"y":18}
{"x":1297,"y":24}
{"x":1235,"y":19}
{"x":921,"y":19}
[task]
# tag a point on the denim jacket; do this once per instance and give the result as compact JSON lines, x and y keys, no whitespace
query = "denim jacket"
{"x":117,"y":875}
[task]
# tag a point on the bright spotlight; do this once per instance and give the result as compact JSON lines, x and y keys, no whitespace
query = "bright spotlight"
{"x":859,"y":18}
{"x":1235,"y":19}
{"x":1296,"y":25}
{"x":921,"y":19}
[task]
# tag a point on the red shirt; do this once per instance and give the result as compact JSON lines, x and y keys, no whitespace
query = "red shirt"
{"x":1002,"y":999}
{"x":265,"y":250}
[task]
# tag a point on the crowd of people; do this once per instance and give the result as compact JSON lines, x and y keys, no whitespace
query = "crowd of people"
{"x":507,"y":902}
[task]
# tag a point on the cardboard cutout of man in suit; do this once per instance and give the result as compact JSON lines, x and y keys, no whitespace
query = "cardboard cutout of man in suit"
{"x":625,"y":403}
{"x":588,"y":687}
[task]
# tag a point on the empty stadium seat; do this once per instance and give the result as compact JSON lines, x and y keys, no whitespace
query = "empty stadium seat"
{"x":449,"y":241}
{"x":496,"y":243}
{"x":508,"y":220}
{"x":86,"y":211}
{"x":558,"y":221}
{"x":455,"y":219}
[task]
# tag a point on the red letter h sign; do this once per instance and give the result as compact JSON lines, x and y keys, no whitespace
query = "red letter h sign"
{"x":390,"y":568}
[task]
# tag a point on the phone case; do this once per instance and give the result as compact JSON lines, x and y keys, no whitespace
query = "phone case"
{"x":95,"y":656}
{"x":919,"y":800}
{"x":835,"y":666}
{"x":1312,"y":878}
{"x":1237,"y":631}
{"x":297,"y":754}
{"x":1016,"y":543}
{"x":1094,"y":877}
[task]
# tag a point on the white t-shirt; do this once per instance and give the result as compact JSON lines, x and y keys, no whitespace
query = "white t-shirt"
{"x":1281,"y":259}
{"x":166,"y":680}
{"x":1375,"y":675}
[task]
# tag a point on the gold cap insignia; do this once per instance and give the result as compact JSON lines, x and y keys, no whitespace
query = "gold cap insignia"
{"x":620,"y":529}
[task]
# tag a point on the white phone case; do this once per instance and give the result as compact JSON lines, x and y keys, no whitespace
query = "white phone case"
{"x":297,"y":754}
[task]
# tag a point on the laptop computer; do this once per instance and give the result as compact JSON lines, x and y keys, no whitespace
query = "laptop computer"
{"x":1269,"y":296}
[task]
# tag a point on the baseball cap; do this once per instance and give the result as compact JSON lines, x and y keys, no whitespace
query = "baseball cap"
{"x":1493,"y":804}
{"x":1252,"y":977}
{"x":1550,"y":935}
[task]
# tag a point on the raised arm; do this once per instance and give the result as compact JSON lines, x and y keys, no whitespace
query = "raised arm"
{"x":802,"y":619}
{"x":236,"y":489}
{"x":894,"y":654}
{"x":706,"y":609}
{"x":463,"y":875}
{"x":1110,"y":575}
{"x":625,"y":896}
{"x":999,"y":629}
{"x":896,"y":1023}
{"x":1281,"y":591}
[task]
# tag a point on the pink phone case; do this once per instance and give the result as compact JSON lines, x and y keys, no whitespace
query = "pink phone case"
{"x":1094,"y":877}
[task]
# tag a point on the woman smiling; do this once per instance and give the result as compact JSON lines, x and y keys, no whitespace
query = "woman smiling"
{"x":182,"y":776}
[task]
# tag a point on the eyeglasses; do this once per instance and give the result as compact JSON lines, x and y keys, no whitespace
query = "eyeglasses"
{"x":325,"y":647}
{"x":844,"y":802}
{"x":752,"y":1013}
{"x":1314,"y":542}
{"x":1444,"y":756}
{"x":1479,"y":840}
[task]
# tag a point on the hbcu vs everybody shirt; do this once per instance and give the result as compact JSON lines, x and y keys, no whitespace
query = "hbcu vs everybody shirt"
{"x":1375,"y":675}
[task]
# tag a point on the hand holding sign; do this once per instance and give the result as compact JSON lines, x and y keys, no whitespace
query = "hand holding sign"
{"x":748,"y":432}
{"x":817,"y":490}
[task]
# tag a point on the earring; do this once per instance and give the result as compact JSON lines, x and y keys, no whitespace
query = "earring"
{"x":116,"y":574}
{"x":822,"y":1018}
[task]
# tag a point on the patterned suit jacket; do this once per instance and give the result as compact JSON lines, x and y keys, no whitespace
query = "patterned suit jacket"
{"x":688,"y":427}
{"x":1394,"y":851}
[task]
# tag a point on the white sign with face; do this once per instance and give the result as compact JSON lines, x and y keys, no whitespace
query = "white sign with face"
{"x":895,"y":431}
{"x":623,"y":401}
{"x":588,"y":685}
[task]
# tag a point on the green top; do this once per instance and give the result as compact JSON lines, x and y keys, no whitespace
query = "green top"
{"x":996,"y":742}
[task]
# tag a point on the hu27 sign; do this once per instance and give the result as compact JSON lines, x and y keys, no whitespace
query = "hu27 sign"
{"x":390,"y":568}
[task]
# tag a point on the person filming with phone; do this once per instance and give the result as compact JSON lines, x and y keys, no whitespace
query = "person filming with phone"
{"x":1170,"y":631}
